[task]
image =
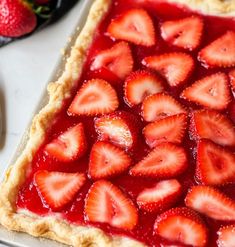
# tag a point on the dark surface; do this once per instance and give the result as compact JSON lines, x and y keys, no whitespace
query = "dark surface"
{"x":58,"y":8}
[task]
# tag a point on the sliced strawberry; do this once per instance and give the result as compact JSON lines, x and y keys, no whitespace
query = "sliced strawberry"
{"x":215,"y":165}
{"x":169,"y":129}
{"x":211,"y":91}
{"x":120,"y":128}
{"x":135,"y":26}
{"x":58,"y":188}
{"x":185,"y":33}
{"x":107,"y":160}
{"x":211,"y":202}
{"x":68,"y":146}
{"x":94,"y":97}
{"x":232,"y":111}
{"x":104,"y":74}
{"x":139,"y":85}
{"x":118,"y":59}
{"x":174,"y":67}
{"x":182,"y":225}
{"x":165,"y":161}
{"x":106,"y":203}
{"x":213,"y":125}
{"x":226,"y":236}
{"x":160,"y":197}
{"x":232,"y":79}
{"x":159,"y":106}
{"x":219,"y":53}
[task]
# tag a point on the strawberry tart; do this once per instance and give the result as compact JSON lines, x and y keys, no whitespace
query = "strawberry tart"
{"x":136,"y":144}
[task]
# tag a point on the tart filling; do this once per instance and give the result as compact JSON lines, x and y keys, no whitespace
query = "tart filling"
{"x":143,"y":148}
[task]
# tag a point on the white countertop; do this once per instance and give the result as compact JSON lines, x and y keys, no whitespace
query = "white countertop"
{"x":25,"y":68}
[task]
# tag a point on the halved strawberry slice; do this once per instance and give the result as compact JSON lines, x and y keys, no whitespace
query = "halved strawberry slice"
{"x":58,"y":188}
{"x":226,"y":236}
{"x":232,"y":111}
{"x":160,"y":197}
{"x":215,"y":165}
{"x":135,"y":26}
{"x":211,"y":202}
{"x":174,"y":67}
{"x":94,"y":97}
{"x":219,"y":53}
{"x":170,"y":129}
{"x":107,"y":160}
{"x":104,"y":74}
{"x":232,"y":78}
{"x":182,"y":225}
{"x":211,"y":91}
{"x":117,"y":59}
{"x":120,"y":128}
{"x":139,"y":85}
{"x":185,"y":33}
{"x":159,"y":106}
{"x":106,"y":203}
{"x":68,"y":146}
{"x":165,"y":161}
{"x":213,"y":125}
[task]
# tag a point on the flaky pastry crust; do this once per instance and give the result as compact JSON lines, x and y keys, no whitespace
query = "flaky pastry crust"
{"x":210,"y":7}
{"x":53,"y":227}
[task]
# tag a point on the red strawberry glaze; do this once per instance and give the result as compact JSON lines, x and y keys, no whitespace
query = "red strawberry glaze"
{"x":28,"y":197}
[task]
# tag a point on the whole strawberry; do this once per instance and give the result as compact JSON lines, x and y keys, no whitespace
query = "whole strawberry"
{"x":17,"y":18}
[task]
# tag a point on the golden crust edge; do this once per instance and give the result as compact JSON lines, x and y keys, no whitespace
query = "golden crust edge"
{"x":222,"y":8}
{"x":52,"y":227}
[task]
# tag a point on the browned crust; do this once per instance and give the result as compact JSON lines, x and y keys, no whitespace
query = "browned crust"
{"x":53,"y":227}
{"x":224,"y":8}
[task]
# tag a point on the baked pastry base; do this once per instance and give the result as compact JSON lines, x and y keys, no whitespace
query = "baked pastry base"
{"x":53,"y":227}
{"x":224,"y":8}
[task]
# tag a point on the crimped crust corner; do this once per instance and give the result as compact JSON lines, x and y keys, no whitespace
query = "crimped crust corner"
{"x":224,"y":8}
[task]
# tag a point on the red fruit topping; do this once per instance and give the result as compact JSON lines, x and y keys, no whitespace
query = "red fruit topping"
{"x":232,"y":111}
{"x":104,"y":74}
{"x":211,"y":91}
{"x":164,"y":161}
{"x":159,"y":106}
{"x":16,"y":18}
{"x":215,"y":165}
{"x":185,"y":33}
{"x":226,"y":236}
{"x":135,"y":26}
{"x":107,"y":160}
{"x":58,"y":188}
{"x":94,"y":97}
{"x":211,"y":202}
{"x":219,"y":53}
{"x":169,"y":129}
{"x":160,"y":197}
{"x":106,"y":203}
{"x":174,"y":67}
{"x":117,"y":59}
{"x":213,"y":125}
{"x":120,"y":128}
{"x":182,"y":225}
{"x":139,"y":85}
{"x":68,"y":146}
{"x":232,"y":78}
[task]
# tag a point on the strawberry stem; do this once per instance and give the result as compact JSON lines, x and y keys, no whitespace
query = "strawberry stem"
{"x":42,"y":11}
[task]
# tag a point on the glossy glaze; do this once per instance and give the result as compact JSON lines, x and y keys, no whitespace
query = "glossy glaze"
{"x":28,"y":197}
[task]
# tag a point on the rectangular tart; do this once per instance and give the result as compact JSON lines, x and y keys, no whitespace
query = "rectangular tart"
{"x":137,"y":133}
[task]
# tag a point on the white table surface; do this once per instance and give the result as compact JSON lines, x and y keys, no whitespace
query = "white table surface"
{"x":25,"y":68}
